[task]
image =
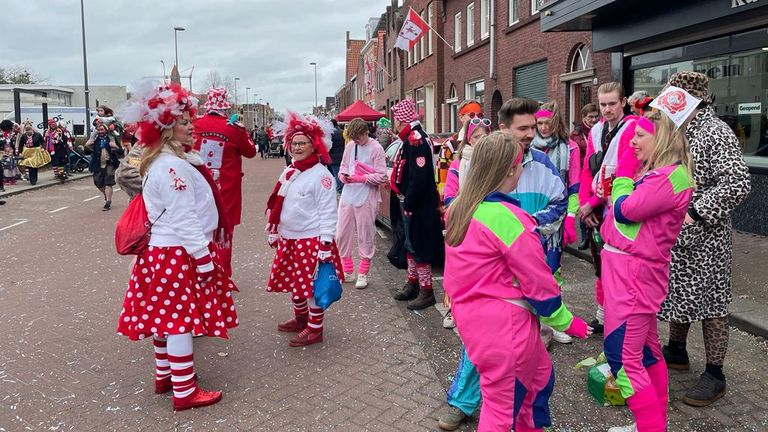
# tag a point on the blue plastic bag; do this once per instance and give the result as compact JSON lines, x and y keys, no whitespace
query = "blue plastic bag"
{"x":327,"y":286}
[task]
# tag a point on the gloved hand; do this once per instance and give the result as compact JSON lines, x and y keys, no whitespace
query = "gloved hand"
{"x":324,"y":252}
{"x":578,"y":328}
{"x":569,"y":234}
{"x":204,"y":268}
{"x":628,"y":164}
{"x":356,"y":179}
{"x":272,"y":239}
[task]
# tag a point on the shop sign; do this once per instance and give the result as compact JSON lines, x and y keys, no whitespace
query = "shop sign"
{"x":750,"y":108}
{"x":739,"y":3}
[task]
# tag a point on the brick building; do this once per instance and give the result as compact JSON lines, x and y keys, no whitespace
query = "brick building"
{"x":345,"y":96}
{"x":389,"y":68}
{"x":366,"y":79}
{"x":500,"y":52}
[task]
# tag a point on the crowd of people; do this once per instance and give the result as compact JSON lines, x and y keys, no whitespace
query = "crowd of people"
{"x":652,"y":190}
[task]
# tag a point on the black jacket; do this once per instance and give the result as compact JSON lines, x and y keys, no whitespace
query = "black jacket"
{"x":337,"y":150}
{"x":37,"y":141}
{"x":114,"y":154}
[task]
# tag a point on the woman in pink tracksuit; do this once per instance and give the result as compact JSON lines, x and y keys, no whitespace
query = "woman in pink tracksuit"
{"x":501,"y":286}
{"x":640,"y":229}
{"x":363,"y":169}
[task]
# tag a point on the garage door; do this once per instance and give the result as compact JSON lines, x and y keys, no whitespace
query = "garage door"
{"x":531,"y":81}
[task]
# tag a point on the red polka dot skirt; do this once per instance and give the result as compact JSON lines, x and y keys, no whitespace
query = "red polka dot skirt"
{"x":294,"y":267}
{"x":164,"y":298}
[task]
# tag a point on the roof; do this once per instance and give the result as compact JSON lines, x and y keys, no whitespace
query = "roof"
{"x":38,"y":87}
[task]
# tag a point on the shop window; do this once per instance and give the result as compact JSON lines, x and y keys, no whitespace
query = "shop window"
{"x":476,"y":91}
{"x":471,"y":24}
{"x":738,"y":83}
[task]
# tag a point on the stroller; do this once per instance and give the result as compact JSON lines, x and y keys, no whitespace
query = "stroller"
{"x":276,"y":147}
{"x":78,"y":160}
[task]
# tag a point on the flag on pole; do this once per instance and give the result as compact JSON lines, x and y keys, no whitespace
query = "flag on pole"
{"x":414,"y":28}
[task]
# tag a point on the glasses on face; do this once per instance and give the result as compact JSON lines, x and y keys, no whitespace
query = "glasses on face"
{"x":478,"y":121}
{"x":300,"y":143}
{"x":473,"y":115}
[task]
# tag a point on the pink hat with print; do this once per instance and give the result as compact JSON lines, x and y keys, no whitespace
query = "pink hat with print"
{"x":405,"y":111}
{"x":217,"y":100}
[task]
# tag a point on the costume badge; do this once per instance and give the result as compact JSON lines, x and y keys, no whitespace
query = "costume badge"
{"x":327,"y":183}
{"x":421,"y":161}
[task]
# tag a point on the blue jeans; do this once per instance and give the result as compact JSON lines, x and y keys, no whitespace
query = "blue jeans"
{"x":334,"y":169}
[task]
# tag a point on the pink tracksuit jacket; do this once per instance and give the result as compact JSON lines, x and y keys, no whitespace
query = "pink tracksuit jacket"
{"x":499,"y":281}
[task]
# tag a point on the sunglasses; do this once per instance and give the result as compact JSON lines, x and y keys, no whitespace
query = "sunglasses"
{"x":478,"y":121}
{"x":473,"y":115}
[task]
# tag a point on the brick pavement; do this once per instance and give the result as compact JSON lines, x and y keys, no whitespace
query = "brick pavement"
{"x":382,"y":367}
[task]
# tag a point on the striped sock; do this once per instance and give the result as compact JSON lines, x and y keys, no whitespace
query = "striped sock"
{"x":413,"y":276}
{"x":162,"y":367}
{"x":348,"y":264}
{"x":300,"y":309}
{"x":183,"y":375}
{"x":365,"y":266}
{"x":425,"y":276}
{"x":316,"y":316}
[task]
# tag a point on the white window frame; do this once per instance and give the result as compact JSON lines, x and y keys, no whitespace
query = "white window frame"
{"x":485,"y":19}
{"x":514,"y":12}
{"x":410,"y":58}
{"x":457,"y":32}
{"x":430,"y":10}
{"x":471,"y":24}
{"x":535,"y":7}
{"x":469,"y":90}
{"x":423,"y":41}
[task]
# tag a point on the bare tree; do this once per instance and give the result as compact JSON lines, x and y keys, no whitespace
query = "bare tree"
{"x":214,"y":79}
{"x":20,"y":75}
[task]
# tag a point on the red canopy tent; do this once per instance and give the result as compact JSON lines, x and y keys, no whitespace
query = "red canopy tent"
{"x":361,"y":110}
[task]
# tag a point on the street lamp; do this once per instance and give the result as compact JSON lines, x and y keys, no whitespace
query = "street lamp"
{"x":263,"y":113}
{"x":163,"y":69}
{"x":236,"y":80}
{"x":246,"y":103}
{"x":315,"y":65}
{"x":85,"y":74}
{"x":176,"y":31}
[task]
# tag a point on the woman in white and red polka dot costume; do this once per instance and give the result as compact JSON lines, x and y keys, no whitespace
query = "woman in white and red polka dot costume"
{"x":177,"y":287}
{"x":302,"y":224}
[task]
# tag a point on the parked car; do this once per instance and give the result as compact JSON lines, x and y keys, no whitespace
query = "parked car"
{"x":383,"y":216}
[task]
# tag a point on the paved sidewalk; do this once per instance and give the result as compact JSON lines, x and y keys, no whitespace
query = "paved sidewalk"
{"x":45,"y":179}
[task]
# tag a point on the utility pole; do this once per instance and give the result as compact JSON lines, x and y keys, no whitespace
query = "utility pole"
{"x":85,"y":74}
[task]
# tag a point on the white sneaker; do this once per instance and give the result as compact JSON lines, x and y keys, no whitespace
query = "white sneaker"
{"x":448,"y":321}
{"x":362,"y":281}
{"x":348,"y":277}
{"x":561,"y":337}
{"x":630,"y":428}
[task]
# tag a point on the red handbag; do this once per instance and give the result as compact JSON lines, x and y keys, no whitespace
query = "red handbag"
{"x":134,"y":229}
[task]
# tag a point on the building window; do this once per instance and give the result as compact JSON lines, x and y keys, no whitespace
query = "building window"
{"x":430,"y":9}
{"x":485,"y":19}
{"x":476,"y":91}
{"x":471,"y":24}
{"x":421,"y":96}
{"x":514,"y":16}
{"x":423,"y":41}
{"x":535,"y":6}
{"x":457,"y":32}
{"x":453,"y":109}
{"x":410,"y":58}
{"x":582,"y":59}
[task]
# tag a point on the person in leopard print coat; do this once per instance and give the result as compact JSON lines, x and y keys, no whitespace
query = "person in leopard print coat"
{"x":700,"y":271}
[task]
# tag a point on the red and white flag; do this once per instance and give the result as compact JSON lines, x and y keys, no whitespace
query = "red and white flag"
{"x":414,"y":28}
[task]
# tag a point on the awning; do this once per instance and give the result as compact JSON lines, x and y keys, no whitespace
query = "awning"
{"x":359,"y":110}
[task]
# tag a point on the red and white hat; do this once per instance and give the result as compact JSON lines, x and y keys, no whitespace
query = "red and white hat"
{"x":154,"y":108}
{"x":316,"y":129}
{"x":217,"y":100}
{"x":405,"y":111}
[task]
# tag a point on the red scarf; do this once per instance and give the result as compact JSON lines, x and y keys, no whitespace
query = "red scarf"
{"x":222,"y":236}
{"x":275,"y":202}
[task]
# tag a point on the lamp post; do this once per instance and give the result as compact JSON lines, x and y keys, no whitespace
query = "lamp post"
{"x":176,"y":31}
{"x":315,"y":106}
{"x":247,"y":89}
{"x":263,"y":113}
{"x":85,"y":74}
{"x":236,"y":80}
{"x":163,"y":69}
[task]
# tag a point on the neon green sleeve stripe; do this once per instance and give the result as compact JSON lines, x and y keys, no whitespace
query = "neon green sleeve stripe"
{"x":560,"y":320}
{"x":573,"y":204}
{"x":622,"y":186}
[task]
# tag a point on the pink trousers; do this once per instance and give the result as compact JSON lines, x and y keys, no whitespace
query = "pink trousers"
{"x":516,"y":374}
{"x":360,"y":221}
{"x":634,"y":289}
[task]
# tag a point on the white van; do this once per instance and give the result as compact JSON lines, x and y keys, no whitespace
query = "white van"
{"x":73,"y":117}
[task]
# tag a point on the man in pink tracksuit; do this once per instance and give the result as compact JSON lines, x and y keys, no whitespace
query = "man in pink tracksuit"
{"x":639,"y":231}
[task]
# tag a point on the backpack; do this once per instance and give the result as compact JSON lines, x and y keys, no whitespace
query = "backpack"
{"x":133,"y":230}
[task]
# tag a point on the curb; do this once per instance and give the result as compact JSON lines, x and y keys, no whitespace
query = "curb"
{"x":43,"y":185}
{"x":744,"y":314}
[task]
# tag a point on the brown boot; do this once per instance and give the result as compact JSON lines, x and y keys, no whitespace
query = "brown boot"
{"x":306,"y":337}
{"x":409,"y":291}
{"x":293,"y":326}
{"x":425,"y":299}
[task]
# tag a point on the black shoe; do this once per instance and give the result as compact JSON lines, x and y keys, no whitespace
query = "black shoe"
{"x":705,"y":392}
{"x":409,"y":291}
{"x":425,"y":299}
{"x":2,"y":202}
{"x":597,"y":328}
{"x":583,"y":245}
{"x":107,"y":206}
{"x":676,"y":360}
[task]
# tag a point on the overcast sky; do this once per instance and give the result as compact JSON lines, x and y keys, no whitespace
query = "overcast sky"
{"x":267,"y":43}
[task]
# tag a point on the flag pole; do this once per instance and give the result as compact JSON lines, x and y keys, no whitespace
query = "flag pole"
{"x":438,"y":34}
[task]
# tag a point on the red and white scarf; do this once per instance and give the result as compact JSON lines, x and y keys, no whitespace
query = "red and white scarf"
{"x":275,"y":202}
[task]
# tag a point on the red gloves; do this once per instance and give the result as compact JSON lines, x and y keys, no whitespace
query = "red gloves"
{"x":569,"y":234}
{"x":204,"y":269}
{"x":628,"y":164}
{"x":324,"y":252}
{"x":578,"y":328}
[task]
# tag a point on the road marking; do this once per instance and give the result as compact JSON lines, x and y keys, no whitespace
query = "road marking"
{"x":381,"y":233}
{"x":13,"y":225}
{"x":92,"y":198}
{"x":58,"y":209}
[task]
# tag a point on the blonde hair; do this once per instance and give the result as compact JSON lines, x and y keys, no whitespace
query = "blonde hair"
{"x":611,"y":87}
{"x":492,"y":161}
{"x":151,"y":153}
{"x":557,"y":122}
{"x":669,"y":145}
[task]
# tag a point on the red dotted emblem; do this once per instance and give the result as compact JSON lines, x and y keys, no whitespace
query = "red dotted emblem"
{"x":421,"y":161}
{"x":326,"y":182}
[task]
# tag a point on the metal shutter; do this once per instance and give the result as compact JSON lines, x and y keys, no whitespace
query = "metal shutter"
{"x":531,"y":81}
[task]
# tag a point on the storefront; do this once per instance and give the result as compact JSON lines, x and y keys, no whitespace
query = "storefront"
{"x":725,"y":39}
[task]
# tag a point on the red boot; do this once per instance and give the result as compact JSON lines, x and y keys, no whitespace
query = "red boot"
{"x":306,"y":337}
{"x":198,"y":398}
{"x":293,"y":326}
{"x":163,"y":386}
